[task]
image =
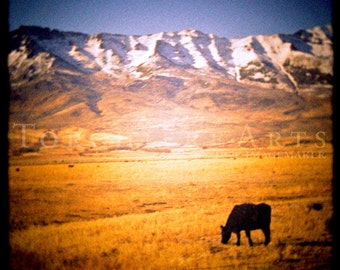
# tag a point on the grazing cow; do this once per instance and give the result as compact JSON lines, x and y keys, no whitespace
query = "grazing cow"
{"x":247,"y":217}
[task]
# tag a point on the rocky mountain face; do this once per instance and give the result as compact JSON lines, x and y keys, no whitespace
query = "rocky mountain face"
{"x":291,"y":60}
{"x":169,"y":90}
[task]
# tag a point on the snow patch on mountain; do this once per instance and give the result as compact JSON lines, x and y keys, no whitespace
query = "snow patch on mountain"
{"x":143,"y":48}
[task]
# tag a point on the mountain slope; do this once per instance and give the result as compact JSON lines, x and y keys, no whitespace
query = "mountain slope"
{"x":275,"y":59}
{"x":166,"y":91}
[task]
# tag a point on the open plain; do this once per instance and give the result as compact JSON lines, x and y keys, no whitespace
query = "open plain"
{"x":165,"y":212}
{"x":129,"y":152}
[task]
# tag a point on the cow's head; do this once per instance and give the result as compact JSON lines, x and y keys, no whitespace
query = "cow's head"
{"x":225,"y":235}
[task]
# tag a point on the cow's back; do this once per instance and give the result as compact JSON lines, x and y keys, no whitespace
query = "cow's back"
{"x":249,"y":217}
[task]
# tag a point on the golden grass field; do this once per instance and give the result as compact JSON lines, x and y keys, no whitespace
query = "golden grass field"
{"x":166,"y":213}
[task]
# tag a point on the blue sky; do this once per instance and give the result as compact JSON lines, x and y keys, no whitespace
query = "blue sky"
{"x":226,"y":18}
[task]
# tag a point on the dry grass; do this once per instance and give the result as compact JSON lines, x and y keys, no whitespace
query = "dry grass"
{"x":165,"y":214}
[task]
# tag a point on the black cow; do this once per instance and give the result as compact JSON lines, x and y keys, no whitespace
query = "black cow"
{"x":247,"y":217}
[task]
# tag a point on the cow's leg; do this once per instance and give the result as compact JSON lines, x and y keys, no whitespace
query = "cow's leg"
{"x":266,"y":232}
{"x":238,"y":238}
{"x":249,"y":238}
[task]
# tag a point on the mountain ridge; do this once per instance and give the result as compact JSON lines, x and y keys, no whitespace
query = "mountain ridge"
{"x":169,"y":91}
{"x":271,"y":59}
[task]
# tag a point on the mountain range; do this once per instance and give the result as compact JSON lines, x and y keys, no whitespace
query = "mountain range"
{"x":169,"y":90}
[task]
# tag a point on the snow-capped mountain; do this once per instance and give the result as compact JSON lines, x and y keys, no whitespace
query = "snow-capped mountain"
{"x":169,"y":90}
{"x":290,"y":61}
